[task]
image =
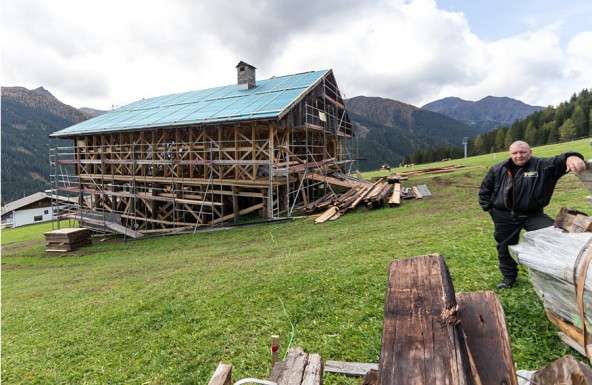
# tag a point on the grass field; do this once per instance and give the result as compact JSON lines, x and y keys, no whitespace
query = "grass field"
{"x":167,"y":310}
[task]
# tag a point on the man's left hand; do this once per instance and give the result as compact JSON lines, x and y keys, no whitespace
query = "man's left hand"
{"x":575,"y":164}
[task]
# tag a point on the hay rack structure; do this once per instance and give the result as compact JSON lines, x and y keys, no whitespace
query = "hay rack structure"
{"x":205,"y":158}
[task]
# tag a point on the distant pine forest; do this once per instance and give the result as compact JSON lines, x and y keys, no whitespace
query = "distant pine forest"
{"x":566,"y":122}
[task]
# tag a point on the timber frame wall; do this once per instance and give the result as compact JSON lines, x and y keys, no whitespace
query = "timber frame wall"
{"x":183,"y":177}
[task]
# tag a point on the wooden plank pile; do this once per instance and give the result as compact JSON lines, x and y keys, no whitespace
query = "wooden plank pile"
{"x":361,"y":192}
{"x":69,"y":239}
{"x":558,"y":260}
{"x":433,"y":336}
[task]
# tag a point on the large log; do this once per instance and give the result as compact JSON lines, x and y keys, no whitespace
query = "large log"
{"x":421,"y":340}
{"x":488,"y":342}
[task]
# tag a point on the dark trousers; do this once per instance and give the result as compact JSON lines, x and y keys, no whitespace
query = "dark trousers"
{"x":507,"y":232}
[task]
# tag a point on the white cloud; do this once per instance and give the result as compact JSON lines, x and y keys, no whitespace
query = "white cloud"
{"x":91,"y":53}
{"x":579,"y":61}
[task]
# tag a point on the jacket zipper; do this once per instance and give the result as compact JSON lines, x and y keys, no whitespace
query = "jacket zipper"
{"x":513,"y":189}
{"x":512,"y":181}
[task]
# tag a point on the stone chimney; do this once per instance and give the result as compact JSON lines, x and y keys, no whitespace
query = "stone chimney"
{"x":246,"y":76}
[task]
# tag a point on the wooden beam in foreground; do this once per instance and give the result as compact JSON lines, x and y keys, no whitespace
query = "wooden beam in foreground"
{"x":484,"y":324}
{"x":298,"y":368}
{"x":222,"y":375}
{"x":421,"y":341}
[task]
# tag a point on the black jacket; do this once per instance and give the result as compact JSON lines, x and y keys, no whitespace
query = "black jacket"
{"x":530,"y":189}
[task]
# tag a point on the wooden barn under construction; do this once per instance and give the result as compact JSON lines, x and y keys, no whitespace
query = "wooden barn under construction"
{"x":207,"y":157}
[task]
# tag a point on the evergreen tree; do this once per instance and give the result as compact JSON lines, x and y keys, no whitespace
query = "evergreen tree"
{"x":417,"y":157}
{"x":553,"y":134}
{"x":561,"y":114}
{"x":543,"y":133}
{"x":429,"y":155}
{"x":500,"y":137}
{"x":579,"y":120}
{"x":508,"y":140}
{"x":479,"y":146}
{"x":530,"y":134}
{"x":567,"y":131}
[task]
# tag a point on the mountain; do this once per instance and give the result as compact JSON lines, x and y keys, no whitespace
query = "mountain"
{"x":28,"y":117}
{"x":389,"y":130}
{"x":92,"y":112}
{"x":484,"y":115}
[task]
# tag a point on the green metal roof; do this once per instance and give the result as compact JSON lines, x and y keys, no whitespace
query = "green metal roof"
{"x":268,"y":100}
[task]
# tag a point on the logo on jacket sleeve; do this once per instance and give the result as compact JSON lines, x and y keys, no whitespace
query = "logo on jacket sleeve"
{"x":531,"y":174}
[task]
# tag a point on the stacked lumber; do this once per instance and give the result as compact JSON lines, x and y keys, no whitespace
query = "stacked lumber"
{"x":558,"y":262}
{"x":378,"y":195}
{"x":372,"y":196}
{"x":321,"y":203}
{"x":69,"y":239}
{"x":433,"y":336}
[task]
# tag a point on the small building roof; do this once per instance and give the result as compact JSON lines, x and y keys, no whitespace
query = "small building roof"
{"x":270,"y":99}
{"x":30,"y":199}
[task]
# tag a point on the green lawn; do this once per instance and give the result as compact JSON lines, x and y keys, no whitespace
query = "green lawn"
{"x":167,"y":310}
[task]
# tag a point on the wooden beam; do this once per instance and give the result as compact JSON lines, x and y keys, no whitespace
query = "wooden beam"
{"x":327,"y":214}
{"x":488,"y":342}
{"x":395,"y":199}
{"x":235,"y":203}
{"x":330,"y":180}
{"x":222,"y":375}
{"x":574,"y":332}
{"x":417,"y":193}
{"x":349,"y":368}
{"x":298,"y":368}
{"x":313,"y":372}
{"x":242,"y":212}
{"x":421,"y":343}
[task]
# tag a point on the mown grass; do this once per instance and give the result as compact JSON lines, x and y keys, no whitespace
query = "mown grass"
{"x":167,"y":310}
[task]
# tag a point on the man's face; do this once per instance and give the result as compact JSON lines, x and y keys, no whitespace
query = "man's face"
{"x":520,"y":154}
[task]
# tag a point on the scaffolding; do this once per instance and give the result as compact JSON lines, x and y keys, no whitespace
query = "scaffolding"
{"x":182,"y":178}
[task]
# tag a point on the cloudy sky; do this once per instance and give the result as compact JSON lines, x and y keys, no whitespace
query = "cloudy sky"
{"x":98,"y":54}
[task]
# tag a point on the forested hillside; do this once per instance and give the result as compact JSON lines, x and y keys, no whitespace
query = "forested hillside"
{"x":568,"y":121}
{"x":28,"y":117}
{"x":389,"y":130}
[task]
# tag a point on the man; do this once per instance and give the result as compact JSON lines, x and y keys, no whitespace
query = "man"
{"x":515,"y":192}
